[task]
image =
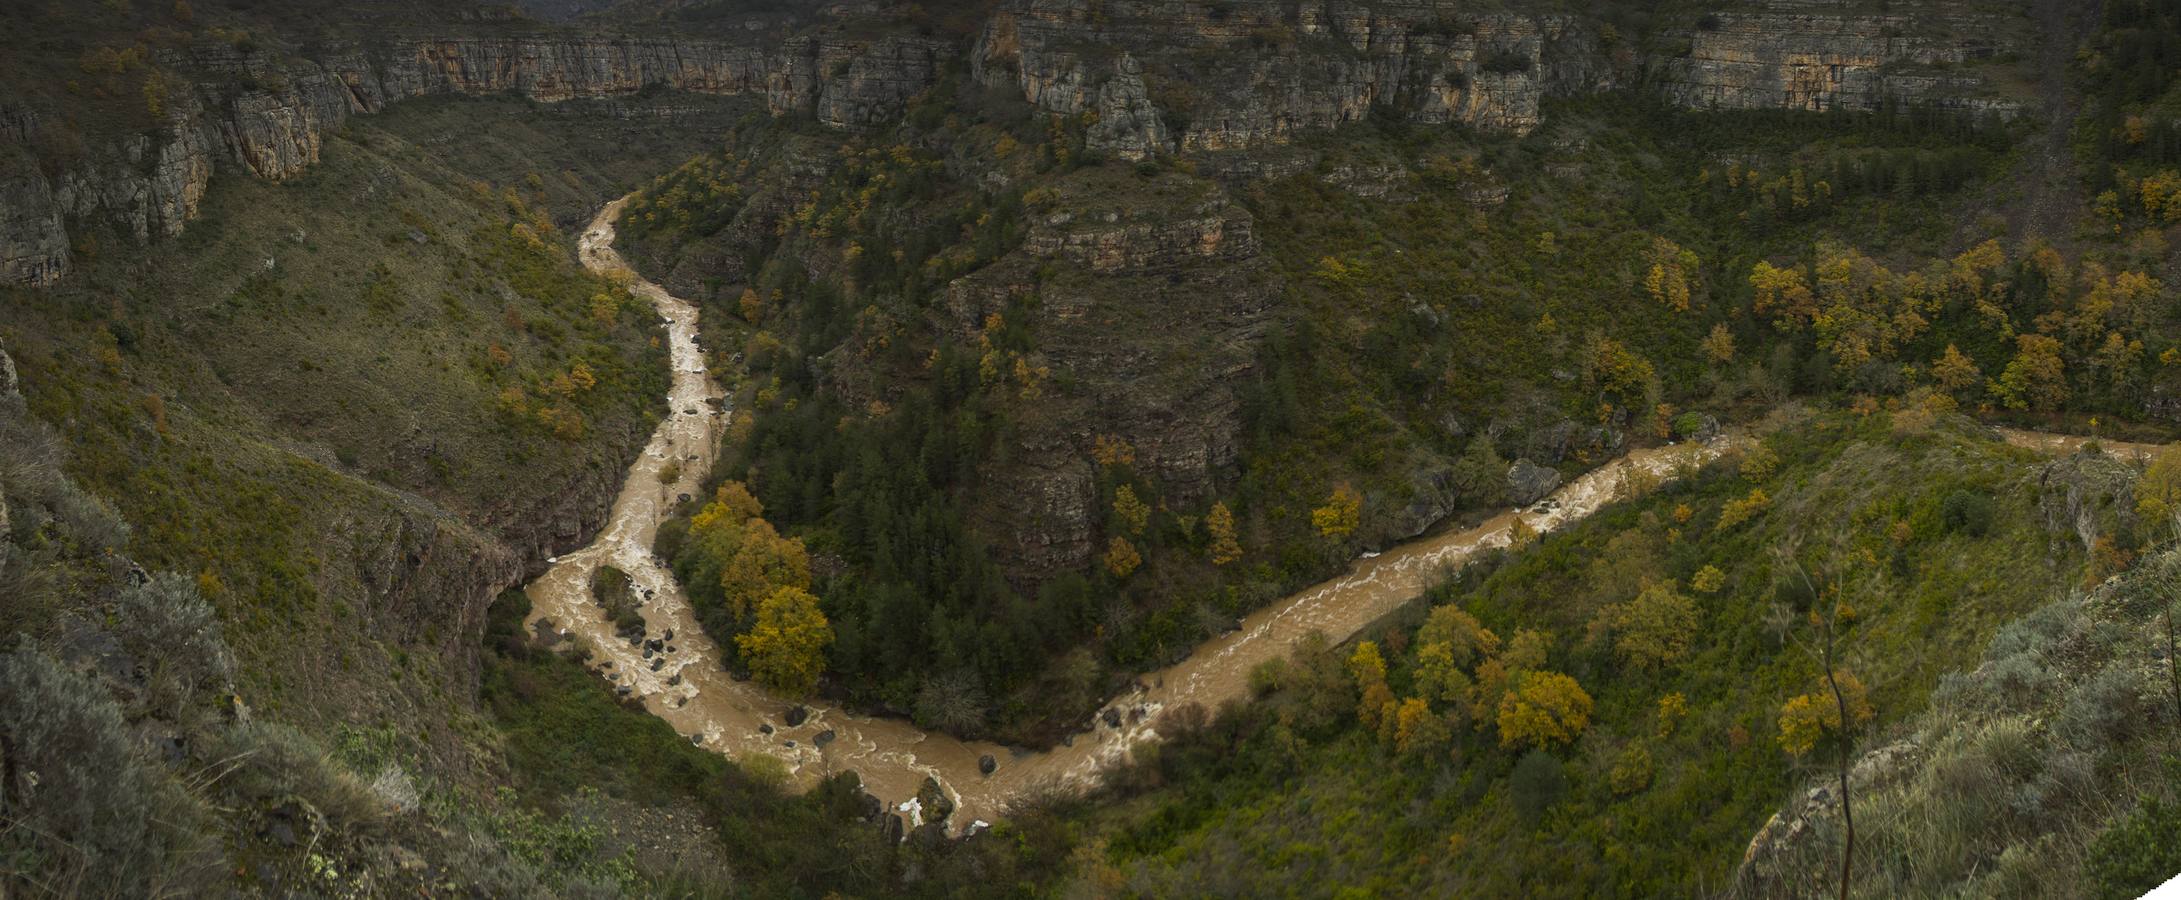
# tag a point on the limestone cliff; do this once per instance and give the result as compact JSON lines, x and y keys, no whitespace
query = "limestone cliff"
{"x":1807,"y":54}
{"x":1150,"y":301}
{"x":1222,"y":76}
{"x":267,"y":115}
{"x":1143,"y":77}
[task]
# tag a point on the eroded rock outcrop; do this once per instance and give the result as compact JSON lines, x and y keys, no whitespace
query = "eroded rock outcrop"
{"x":1242,"y":74}
{"x":267,"y":115}
{"x":1150,"y":302}
{"x":1798,"y":54}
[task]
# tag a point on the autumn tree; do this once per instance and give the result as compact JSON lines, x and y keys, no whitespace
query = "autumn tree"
{"x":1654,"y":630}
{"x":1542,"y":709}
{"x":1134,"y":514}
{"x":1708,"y":580}
{"x":1672,"y":708}
{"x":1219,"y":525}
{"x":1417,"y":730}
{"x":1956,"y":372}
{"x":2158,"y":492}
{"x":1466,"y":639}
{"x":760,"y":562}
{"x":1340,"y":515}
{"x":1805,"y":719}
{"x":1439,"y":677}
{"x":1366,"y":665}
{"x":1783,"y":294}
{"x":733,"y":559}
{"x":1121,"y":557}
{"x":1667,"y":279}
{"x":786,"y":648}
{"x":2036,"y":378}
{"x":1618,"y":374}
{"x":1718,"y":346}
{"x":1735,"y":512}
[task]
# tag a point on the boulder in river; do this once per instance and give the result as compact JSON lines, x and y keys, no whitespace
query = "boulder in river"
{"x":796,"y":715}
{"x":765,"y":728}
{"x":823,"y":738}
{"x":1112,"y":717}
{"x":933,"y":798}
{"x":1528,"y":482}
{"x":987,"y":765}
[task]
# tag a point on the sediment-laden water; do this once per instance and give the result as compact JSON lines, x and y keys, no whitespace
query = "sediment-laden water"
{"x":682,"y":681}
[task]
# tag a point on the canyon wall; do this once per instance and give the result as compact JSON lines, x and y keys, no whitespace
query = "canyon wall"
{"x":254,"y":112}
{"x":1144,"y":77}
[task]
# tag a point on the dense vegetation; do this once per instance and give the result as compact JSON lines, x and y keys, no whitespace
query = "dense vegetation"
{"x":1621,"y":699}
{"x":1774,"y":255}
{"x":236,"y":448}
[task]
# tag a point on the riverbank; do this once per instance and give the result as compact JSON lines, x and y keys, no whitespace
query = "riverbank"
{"x":673,"y":667}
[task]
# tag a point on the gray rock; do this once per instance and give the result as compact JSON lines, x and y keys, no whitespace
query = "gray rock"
{"x":987,"y":765}
{"x":1528,"y":482}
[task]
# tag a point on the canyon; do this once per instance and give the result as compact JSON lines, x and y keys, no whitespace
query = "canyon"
{"x":1151,"y":78}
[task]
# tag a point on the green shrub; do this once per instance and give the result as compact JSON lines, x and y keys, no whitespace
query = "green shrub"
{"x":1967,"y":512}
{"x":1537,"y":784}
{"x":94,"y":817}
{"x":2140,"y":851}
{"x":175,"y":637}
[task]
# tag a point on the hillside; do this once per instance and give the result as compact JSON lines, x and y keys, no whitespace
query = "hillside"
{"x":1066,"y":343}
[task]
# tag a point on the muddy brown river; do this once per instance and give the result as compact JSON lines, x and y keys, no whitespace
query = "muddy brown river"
{"x":690,"y":691}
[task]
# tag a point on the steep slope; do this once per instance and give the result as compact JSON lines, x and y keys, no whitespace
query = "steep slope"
{"x":1673,"y":753}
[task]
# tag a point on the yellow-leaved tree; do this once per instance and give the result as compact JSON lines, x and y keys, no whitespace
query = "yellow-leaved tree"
{"x":1225,"y":548}
{"x":786,"y":648}
{"x":761,"y":562}
{"x":2036,"y":378}
{"x":1542,"y":709}
{"x":1340,"y":515}
{"x":1956,"y":372}
{"x":1133,"y":513}
{"x":1417,"y":730}
{"x":1121,"y":557}
{"x":2158,"y":494}
{"x":1807,"y":718}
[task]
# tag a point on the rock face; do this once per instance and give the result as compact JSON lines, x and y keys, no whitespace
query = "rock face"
{"x":1240,"y":74}
{"x":1144,"y":78}
{"x":1173,"y":261}
{"x":1799,"y":54}
{"x":268,"y":117}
